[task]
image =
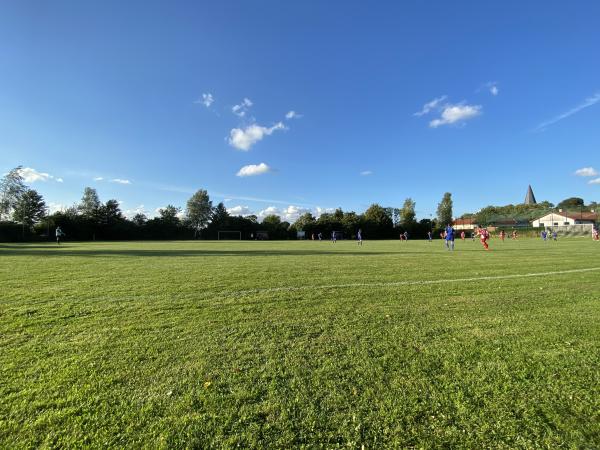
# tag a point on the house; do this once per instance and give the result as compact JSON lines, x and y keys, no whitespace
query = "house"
{"x":464,"y":224}
{"x":560,"y":218}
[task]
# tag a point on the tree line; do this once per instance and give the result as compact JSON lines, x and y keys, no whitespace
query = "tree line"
{"x":24,"y":216}
{"x":492,"y":215}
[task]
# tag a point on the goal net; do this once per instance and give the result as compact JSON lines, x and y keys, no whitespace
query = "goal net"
{"x":578,"y":230}
{"x":229,"y":235}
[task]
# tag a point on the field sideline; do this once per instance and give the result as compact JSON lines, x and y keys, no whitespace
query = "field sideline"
{"x":284,"y":344}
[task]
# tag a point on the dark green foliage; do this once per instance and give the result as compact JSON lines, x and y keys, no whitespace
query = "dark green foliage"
{"x":199,"y":210}
{"x":11,"y":189}
{"x":571,"y":203}
{"x":520,"y":213}
{"x":29,"y":209}
{"x":444,"y":210}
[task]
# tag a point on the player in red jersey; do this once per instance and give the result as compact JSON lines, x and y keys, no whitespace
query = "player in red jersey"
{"x":484,"y":235}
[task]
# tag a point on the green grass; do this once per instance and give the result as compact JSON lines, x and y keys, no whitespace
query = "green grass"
{"x":183,"y":344}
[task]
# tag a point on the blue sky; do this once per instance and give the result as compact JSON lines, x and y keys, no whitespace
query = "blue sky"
{"x":390,"y":100}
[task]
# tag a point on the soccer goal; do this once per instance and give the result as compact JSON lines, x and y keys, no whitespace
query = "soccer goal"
{"x":229,"y":235}
{"x":577,"y":230}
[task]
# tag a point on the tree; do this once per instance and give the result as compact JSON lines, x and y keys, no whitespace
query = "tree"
{"x":351,"y":223}
{"x":377,"y":222}
{"x":304,"y":221}
{"x":220,"y":216}
{"x":573,"y":203}
{"x":90,"y":203}
{"x":444,"y":210}
{"x":29,"y":209}
{"x":140,"y":219}
{"x":407,"y":214}
{"x":12,"y":188}
{"x":110,"y":212}
{"x":377,"y":215}
{"x":169,"y":214}
{"x":394,"y":214}
{"x":272,"y":220}
{"x":199,"y":210}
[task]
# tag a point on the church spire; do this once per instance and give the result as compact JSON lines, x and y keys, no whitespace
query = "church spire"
{"x":529,"y":197}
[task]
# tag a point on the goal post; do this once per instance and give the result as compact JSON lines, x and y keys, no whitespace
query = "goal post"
{"x":227,"y":235}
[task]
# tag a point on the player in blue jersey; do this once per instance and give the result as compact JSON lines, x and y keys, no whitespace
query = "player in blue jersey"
{"x":449,"y":237}
{"x":359,"y":237}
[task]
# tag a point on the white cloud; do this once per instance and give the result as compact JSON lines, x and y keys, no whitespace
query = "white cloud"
{"x":366,"y":173}
{"x":289,"y":213}
{"x":241,"y":109}
{"x":140,"y":209}
{"x":253,"y":169}
{"x":271,"y":210}
{"x":120,"y":181}
{"x":432,"y":105}
{"x":590,"y":101}
{"x":243,"y":139}
{"x":98,"y":178}
{"x":56,"y":207}
{"x":456,"y":113}
{"x":594,"y":181}
{"x":239,"y":210}
{"x":586,"y":172}
{"x":292,"y":115}
{"x":31,"y":176}
{"x":494,"y":90}
{"x":206,"y":100}
{"x":319,"y":211}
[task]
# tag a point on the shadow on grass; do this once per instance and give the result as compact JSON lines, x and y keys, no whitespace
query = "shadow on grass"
{"x":64,"y":250}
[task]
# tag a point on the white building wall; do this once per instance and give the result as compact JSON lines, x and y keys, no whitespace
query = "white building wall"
{"x":552,"y":219}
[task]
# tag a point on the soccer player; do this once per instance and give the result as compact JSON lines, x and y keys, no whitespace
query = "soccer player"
{"x":484,"y":235}
{"x":462,"y":236}
{"x":554,"y":235}
{"x":406,"y":235}
{"x":429,"y":236}
{"x":544,"y":235}
{"x":333,"y":237}
{"x":595,"y":235}
{"x":502,"y":235}
{"x":359,"y":237}
{"x":450,"y":237}
{"x":320,"y":236}
{"x":514,"y":235}
{"x":59,"y":234}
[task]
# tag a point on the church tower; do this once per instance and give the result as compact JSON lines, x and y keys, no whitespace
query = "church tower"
{"x":529,"y":197}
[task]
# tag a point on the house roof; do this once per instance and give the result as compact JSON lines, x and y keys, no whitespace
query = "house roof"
{"x":581,"y":216}
{"x":469,"y":221}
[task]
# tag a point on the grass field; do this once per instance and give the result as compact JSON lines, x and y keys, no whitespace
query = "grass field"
{"x":289,"y":344}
